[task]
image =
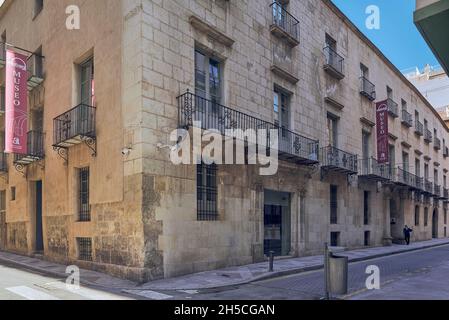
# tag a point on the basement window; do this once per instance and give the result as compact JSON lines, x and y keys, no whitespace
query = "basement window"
{"x":83,"y":195}
{"x":84,"y":249}
{"x":206,"y":192}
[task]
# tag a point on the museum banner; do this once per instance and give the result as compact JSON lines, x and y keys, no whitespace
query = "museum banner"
{"x":16,"y":105}
{"x":382,"y":132}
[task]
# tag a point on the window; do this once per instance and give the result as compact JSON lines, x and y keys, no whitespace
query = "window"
{"x":445,"y":216}
{"x":392,"y":157}
{"x":389,"y":93}
{"x":13,"y":193}
{"x":366,"y":145}
{"x":84,"y":249}
{"x":435,"y":176}
{"x":404,"y":104}
{"x":87,"y":86}
{"x":38,"y":6}
{"x":333,"y":204}
{"x":2,"y":201}
{"x":367,"y":238}
{"x":335,"y":239}
{"x":35,"y":64}
{"x":206,"y":192}
{"x":416,"y":116}
{"x":416,"y":215}
{"x":330,"y":42}
{"x":364,"y":71}
{"x":417,"y":168}
{"x":426,"y":217}
{"x":366,"y":213}
{"x":83,"y":185}
{"x":332,"y":133}
{"x":207,"y":77}
{"x":281,"y":108}
{"x":445,"y":232}
{"x":426,"y":171}
{"x":405,"y":163}
{"x":444,"y":181}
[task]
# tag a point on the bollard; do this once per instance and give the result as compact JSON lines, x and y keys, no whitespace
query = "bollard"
{"x":270,"y":268}
{"x":326,"y":272}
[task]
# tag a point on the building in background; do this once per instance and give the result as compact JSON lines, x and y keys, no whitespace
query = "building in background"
{"x":97,"y":190}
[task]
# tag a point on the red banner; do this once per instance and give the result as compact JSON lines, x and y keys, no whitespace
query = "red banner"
{"x":382,"y":132}
{"x":16,"y":105}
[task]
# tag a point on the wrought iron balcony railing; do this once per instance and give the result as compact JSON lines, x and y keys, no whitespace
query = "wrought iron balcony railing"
{"x":35,"y":71}
{"x":427,"y":136}
{"x":407,"y":119}
{"x":437,"y":191}
{"x":367,"y":89}
{"x":372,"y":170}
{"x":35,"y":149}
{"x":211,"y":115}
{"x":436,"y":143}
{"x":446,"y":193}
{"x":393,"y":109}
{"x":334,"y":64}
{"x":338,"y":160}
{"x":428,"y":186}
{"x":446,"y":152}
{"x":419,"y":128}
{"x":3,"y":162}
{"x":405,"y":178}
{"x":74,"y":126}
{"x":283,"y":24}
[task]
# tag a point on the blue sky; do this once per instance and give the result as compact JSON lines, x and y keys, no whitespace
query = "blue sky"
{"x":397,"y":37}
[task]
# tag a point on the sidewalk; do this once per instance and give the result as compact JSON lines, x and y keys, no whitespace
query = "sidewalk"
{"x":259,"y":271}
{"x":211,"y":279}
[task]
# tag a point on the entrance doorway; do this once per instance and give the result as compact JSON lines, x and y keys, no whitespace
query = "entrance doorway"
{"x":435,"y":223}
{"x":38,"y":212}
{"x":277,"y":223}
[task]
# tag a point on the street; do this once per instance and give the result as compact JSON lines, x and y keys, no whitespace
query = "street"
{"x":419,"y":274}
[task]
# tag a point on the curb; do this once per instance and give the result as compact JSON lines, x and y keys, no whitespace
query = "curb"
{"x":294,"y":271}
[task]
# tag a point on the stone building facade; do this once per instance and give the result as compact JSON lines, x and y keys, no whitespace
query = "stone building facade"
{"x":101,"y":191}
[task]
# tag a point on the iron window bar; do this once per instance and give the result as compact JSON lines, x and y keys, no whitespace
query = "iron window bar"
{"x":84,"y":206}
{"x":334,"y":62}
{"x":84,"y":249}
{"x":367,"y":88}
{"x":207,"y":192}
{"x":282,"y":19}
{"x":339,"y":160}
{"x":212,"y":115}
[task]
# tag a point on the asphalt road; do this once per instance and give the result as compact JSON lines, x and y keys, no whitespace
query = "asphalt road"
{"x":414,"y":275}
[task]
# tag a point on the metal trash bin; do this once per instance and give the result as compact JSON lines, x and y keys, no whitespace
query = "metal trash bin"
{"x":338,"y":274}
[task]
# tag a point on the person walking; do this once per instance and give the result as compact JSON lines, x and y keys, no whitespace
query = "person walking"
{"x":407,"y":233}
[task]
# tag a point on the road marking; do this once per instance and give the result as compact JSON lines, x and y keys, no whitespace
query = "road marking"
{"x":149,"y":294}
{"x":87,"y":293}
{"x":189,"y":291}
{"x":30,"y":293}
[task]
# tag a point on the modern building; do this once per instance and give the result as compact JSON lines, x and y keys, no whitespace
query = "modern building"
{"x":98,"y":188}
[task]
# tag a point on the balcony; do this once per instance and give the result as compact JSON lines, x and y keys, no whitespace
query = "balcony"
{"x":2,"y":55}
{"x":284,"y":25}
{"x":427,"y":136}
{"x":404,"y":178}
{"x":283,"y":64}
{"x":333,"y":159}
{"x":367,"y":89}
{"x":35,"y":149}
{"x":370,"y":169}
{"x":407,"y":119}
{"x":35,"y":74}
{"x":3,"y":162}
{"x":428,"y":187}
{"x":335,"y":64}
{"x":445,"y":194}
{"x":446,"y":152}
{"x":211,"y":115}
{"x":393,"y":109}
{"x":419,"y":128}
{"x":74,"y":127}
{"x":436,"y":143}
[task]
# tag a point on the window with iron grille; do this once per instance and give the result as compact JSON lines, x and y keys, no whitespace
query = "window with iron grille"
{"x":335,"y":239}
{"x":366,"y":215}
{"x":417,"y":216}
{"x":84,"y":249}
{"x":333,"y":205}
{"x":207,"y":192}
{"x":84,"y":207}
